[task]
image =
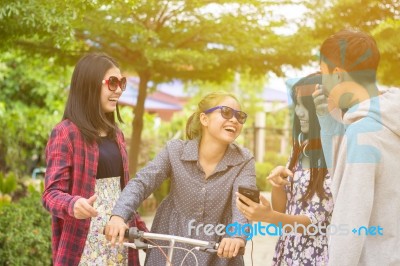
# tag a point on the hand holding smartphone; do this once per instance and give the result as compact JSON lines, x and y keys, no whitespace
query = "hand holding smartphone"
{"x":251,"y":193}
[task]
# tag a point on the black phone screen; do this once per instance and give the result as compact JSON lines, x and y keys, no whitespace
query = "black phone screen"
{"x":251,"y":193}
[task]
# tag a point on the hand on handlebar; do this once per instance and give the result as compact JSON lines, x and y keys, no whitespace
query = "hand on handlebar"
{"x":115,"y":230}
{"x":229,"y":247}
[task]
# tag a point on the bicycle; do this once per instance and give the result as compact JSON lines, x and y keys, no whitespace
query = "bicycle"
{"x":136,"y":237}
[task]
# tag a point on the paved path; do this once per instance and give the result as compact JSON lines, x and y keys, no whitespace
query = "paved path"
{"x":263,"y":246}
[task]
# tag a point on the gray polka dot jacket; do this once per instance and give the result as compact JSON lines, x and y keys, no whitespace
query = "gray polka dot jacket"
{"x":193,"y":201}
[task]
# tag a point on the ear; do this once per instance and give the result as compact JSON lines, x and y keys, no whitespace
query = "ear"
{"x":339,"y":73}
{"x":204,"y":119}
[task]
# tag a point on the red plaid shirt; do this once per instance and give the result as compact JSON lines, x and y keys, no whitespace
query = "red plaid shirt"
{"x":71,"y":174}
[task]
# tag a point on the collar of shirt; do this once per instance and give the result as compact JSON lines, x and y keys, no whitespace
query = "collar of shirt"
{"x":233,"y":155}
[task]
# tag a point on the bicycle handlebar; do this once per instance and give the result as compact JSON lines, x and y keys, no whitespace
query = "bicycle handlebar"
{"x":133,"y":234}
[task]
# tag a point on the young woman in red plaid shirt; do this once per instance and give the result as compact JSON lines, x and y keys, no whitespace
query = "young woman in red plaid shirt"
{"x":87,"y":166}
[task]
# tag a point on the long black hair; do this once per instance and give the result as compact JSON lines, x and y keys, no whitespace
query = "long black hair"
{"x":310,"y":145}
{"x":83,"y":106}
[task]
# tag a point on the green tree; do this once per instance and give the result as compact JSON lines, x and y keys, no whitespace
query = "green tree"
{"x":387,"y":35}
{"x":42,"y":27}
{"x":31,"y":102}
{"x":188,"y":40}
{"x":158,"y":40}
{"x":37,"y":44}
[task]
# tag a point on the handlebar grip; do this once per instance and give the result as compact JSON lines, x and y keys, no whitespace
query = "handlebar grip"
{"x":241,"y":251}
{"x":133,"y":233}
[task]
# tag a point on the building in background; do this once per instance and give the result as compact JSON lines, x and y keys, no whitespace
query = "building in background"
{"x":271,"y":127}
{"x":164,"y":101}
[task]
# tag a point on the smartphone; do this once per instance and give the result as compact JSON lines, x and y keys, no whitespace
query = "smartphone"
{"x":251,"y":193}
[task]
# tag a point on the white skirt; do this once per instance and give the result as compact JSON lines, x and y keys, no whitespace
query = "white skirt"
{"x":96,"y":251}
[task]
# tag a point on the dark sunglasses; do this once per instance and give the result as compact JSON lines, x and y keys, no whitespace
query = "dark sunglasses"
{"x":228,"y":113}
{"x":113,"y":83}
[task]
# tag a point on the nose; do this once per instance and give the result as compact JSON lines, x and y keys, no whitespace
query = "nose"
{"x":233,"y":119}
{"x":299,"y":110}
{"x":118,"y":90}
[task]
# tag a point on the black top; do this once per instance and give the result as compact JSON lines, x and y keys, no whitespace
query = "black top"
{"x":110,"y":159}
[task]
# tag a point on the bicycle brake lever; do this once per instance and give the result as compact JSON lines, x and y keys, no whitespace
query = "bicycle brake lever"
{"x":140,"y":245}
{"x":211,"y":247}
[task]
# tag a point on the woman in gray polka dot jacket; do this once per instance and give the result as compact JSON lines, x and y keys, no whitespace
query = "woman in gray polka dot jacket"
{"x":205,"y":172}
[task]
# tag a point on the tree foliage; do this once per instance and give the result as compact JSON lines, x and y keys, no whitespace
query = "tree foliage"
{"x":43,"y":27}
{"x":25,"y":238}
{"x":188,"y":40}
{"x":161,"y":40}
{"x":31,"y":102}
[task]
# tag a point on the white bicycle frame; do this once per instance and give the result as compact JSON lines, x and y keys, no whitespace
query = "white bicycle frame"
{"x":134,"y":236}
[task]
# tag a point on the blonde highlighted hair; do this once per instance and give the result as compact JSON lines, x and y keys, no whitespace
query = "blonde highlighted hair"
{"x":193,"y":124}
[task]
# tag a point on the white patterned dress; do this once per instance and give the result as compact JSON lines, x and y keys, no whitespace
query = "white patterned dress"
{"x":299,"y":249}
{"x":96,"y":251}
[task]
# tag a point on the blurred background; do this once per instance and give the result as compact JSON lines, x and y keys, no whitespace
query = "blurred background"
{"x":173,"y":52}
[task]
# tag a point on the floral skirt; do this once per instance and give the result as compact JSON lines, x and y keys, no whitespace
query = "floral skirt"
{"x":301,"y":250}
{"x":96,"y":251}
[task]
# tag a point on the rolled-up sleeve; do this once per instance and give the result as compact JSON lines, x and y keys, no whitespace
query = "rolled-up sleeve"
{"x":59,"y":157}
{"x":139,"y":188}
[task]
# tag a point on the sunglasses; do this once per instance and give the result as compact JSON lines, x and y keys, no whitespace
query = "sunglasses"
{"x":113,"y":83}
{"x":228,"y":113}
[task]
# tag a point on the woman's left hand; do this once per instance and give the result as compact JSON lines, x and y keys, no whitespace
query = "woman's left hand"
{"x":229,"y":247}
{"x":255,"y":211}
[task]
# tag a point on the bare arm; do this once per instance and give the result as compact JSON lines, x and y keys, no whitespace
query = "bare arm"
{"x":278,"y":199}
{"x":263,"y":212}
{"x":278,"y":179}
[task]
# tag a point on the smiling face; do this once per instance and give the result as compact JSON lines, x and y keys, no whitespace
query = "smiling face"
{"x":109,"y":99}
{"x":220,"y":128}
{"x":303,"y":115}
